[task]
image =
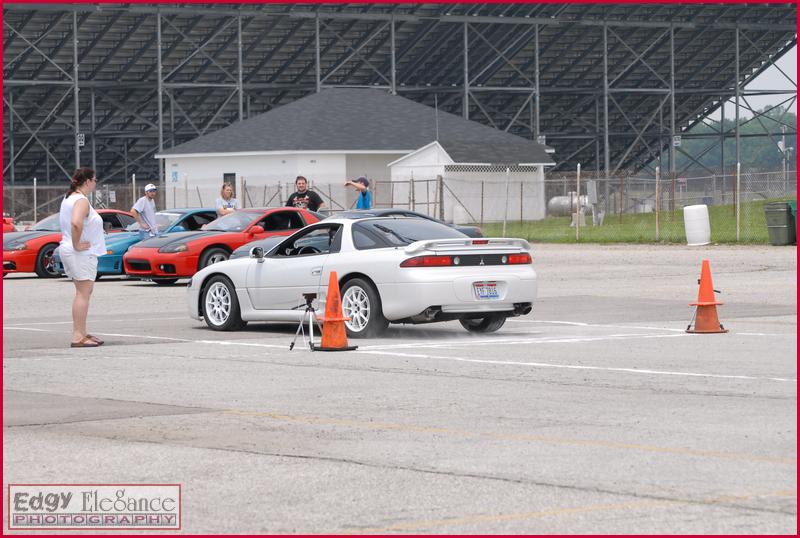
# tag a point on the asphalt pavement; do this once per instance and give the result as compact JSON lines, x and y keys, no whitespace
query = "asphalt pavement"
{"x":596,"y":413}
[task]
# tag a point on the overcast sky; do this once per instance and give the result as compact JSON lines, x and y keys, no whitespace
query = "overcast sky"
{"x":771,"y":79}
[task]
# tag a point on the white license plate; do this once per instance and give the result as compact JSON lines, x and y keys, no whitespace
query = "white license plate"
{"x":486,"y":290}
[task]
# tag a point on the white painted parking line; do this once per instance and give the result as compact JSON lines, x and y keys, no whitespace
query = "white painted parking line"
{"x":384,"y":350}
{"x":605,"y":325}
{"x":169,"y":338}
{"x":647,"y":328}
{"x":69,"y":322}
{"x":575,"y":366}
{"x":517,"y":341}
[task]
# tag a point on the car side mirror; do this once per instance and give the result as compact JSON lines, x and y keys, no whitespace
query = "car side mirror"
{"x":255,"y":230}
{"x":179,"y":228}
{"x":257,"y":253}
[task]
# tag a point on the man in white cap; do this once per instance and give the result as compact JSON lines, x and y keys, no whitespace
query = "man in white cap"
{"x":144,"y":211}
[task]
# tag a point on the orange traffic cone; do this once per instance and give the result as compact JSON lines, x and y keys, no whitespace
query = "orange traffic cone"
{"x":334,"y":333}
{"x":705,"y":317}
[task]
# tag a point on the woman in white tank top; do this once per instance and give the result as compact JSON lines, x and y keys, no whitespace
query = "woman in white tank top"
{"x":82,"y":241}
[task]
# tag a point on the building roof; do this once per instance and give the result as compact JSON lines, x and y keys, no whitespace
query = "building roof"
{"x":362,"y":119}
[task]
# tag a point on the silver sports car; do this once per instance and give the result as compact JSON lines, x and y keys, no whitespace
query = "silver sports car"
{"x":390,"y":270}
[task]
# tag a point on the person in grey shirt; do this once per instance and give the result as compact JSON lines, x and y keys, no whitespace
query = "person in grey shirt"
{"x":226,"y":203}
{"x":144,"y":211}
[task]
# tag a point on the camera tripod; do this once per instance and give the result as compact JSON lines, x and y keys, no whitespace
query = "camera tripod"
{"x":309,"y":312}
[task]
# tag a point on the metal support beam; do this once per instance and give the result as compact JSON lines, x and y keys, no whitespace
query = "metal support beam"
{"x":94,"y":144}
{"x":160,"y":100}
{"x":75,"y":89}
{"x":672,"y":103}
{"x":394,"y":60}
{"x":11,"y":147}
{"x":537,"y":92}
{"x":316,"y":43}
{"x":736,"y":89}
{"x":356,"y":51}
{"x":606,"y":147}
{"x":241,"y":69}
{"x":466,"y":71}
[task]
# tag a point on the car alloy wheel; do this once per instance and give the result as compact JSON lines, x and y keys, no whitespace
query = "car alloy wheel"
{"x":218,"y":303}
{"x":216,"y":258}
{"x":355,"y":305}
{"x":45,"y":266}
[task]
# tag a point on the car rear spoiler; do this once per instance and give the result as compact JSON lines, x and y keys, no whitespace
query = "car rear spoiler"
{"x":477,"y":243}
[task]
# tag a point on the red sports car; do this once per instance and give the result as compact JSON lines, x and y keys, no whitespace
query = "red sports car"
{"x":169,"y":257}
{"x":31,"y":251}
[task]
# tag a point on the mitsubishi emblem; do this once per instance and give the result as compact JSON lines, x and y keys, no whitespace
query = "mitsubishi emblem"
{"x":481,"y":261}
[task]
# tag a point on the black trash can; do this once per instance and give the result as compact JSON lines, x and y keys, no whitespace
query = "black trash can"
{"x":780,"y":223}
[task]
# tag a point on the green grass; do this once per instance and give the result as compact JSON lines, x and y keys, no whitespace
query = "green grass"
{"x":641,"y":227}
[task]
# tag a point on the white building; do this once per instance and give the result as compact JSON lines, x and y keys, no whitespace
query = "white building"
{"x":341,"y":134}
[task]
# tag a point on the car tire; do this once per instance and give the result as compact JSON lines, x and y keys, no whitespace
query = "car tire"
{"x":165,"y":281}
{"x":489,"y":324}
{"x":361,"y":303}
{"x":220,"y":306}
{"x":44,"y":267}
{"x":212,"y":256}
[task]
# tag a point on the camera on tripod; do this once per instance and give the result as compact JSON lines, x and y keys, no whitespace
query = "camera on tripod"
{"x":308,"y":313}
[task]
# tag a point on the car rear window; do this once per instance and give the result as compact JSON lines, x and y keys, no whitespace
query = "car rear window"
{"x":395,"y":232}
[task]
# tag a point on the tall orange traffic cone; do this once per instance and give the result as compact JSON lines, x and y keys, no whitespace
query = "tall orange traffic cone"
{"x":334,"y":333}
{"x":705,"y":318}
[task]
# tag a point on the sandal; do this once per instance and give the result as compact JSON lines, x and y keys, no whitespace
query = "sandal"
{"x":85,"y":342}
{"x":95,"y":339}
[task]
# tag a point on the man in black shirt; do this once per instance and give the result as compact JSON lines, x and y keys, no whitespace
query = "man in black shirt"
{"x":304,"y":198}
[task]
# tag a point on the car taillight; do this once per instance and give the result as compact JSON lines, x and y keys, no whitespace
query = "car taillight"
{"x":428,"y":261}
{"x":516,"y":259}
{"x":480,"y":241}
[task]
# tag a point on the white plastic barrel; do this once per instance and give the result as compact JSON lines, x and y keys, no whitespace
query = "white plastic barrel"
{"x":697,"y":225}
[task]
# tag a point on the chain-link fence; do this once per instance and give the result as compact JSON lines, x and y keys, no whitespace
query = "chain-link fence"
{"x":512,"y":201}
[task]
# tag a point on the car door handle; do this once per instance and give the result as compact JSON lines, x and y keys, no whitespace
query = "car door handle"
{"x":316,"y":271}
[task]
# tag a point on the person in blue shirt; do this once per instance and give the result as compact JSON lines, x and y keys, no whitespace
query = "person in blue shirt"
{"x":361,"y":184}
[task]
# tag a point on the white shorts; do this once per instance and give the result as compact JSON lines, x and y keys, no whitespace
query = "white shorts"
{"x":79,"y":266}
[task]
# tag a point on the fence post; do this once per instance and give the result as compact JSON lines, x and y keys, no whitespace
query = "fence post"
{"x":505,"y":208}
{"x":199,"y":198}
{"x":245,"y":194}
{"x":427,"y":197}
{"x":578,"y":204}
{"x":412,"y":203}
{"x":521,"y":197}
{"x":658,"y":201}
{"x":738,"y":197}
{"x":714,"y":190}
{"x":672,"y":196}
{"x":133,"y":189}
{"x":440,"y":181}
{"x":391,"y":193}
{"x":35,"y":203}
{"x":174,"y":196}
{"x":482,"y":186}
{"x":186,"y":188}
